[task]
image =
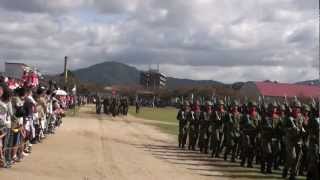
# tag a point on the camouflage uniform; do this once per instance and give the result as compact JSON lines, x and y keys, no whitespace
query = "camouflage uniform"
{"x":98,"y":105}
{"x":106,"y":106}
{"x":204,"y":134}
{"x":182,"y":118}
{"x":293,"y":139}
{"x":219,"y":117}
{"x":232,"y":131}
{"x":279,"y":154}
{"x":192,"y":132}
{"x":250,"y":126}
{"x":269,"y":138}
{"x":313,"y":153}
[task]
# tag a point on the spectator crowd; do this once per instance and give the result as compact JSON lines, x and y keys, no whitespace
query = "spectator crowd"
{"x":29,"y":112}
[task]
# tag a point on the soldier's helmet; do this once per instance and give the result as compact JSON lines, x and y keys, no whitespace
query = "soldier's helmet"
{"x":221,"y":102}
{"x":306,"y":108}
{"x":253,"y":104}
{"x":297,"y":104}
{"x":313,"y":105}
{"x":208,"y":103}
{"x":273,"y":105}
{"x":282,"y":107}
{"x":235,"y":103}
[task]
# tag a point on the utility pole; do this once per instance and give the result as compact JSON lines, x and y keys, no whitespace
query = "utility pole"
{"x":65,"y":70}
{"x":319,"y":64}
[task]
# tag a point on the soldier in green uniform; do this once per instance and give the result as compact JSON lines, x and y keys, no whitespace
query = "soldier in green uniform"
{"x":197,"y":113}
{"x":192,"y":132}
{"x":305,"y":144}
{"x":219,"y":117}
{"x":250,"y":126}
{"x":182,"y":118}
{"x":98,"y":104}
{"x":280,"y":154}
{"x":204,"y":136}
{"x":106,"y":105}
{"x":269,"y":138}
{"x":232,"y":131}
{"x":313,"y":129}
{"x":293,"y":139}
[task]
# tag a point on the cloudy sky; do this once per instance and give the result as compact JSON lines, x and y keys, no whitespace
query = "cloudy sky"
{"x":231,"y":40}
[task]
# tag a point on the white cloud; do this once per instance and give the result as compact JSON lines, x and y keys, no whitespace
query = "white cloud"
{"x":198,"y":39}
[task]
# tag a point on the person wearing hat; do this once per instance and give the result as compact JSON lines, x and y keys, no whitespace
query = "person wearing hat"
{"x":313,"y":153}
{"x":306,"y":113}
{"x":3,"y":132}
{"x":182,"y":118}
{"x":250,"y":126}
{"x":219,"y":117}
{"x":196,"y":113}
{"x":279,"y":156}
{"x":193,"y":126}
{"x":232,"y":131}
{"x":269,"y":138}
{"x":204,"y":133}
{"x":293,"y":138}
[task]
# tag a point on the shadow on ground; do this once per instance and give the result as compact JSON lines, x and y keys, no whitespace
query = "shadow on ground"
{"x":203,"y":165}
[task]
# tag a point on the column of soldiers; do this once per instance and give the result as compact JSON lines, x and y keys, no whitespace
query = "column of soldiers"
{"x":114,"y":106}
{"x":271,"y":135}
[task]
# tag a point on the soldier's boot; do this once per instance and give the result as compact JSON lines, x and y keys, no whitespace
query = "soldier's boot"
{"x":243,"y":161}
{"x":284,"y":172}
{"x":226,"y":152}
{"x":292,"y":177}
{"x":249,"y":165}
{"x":269,"y":170}
{"x":263,"y":167}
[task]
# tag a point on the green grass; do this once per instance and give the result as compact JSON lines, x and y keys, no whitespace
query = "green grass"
{"x":159,"y":114}
{"x":166,"y":115}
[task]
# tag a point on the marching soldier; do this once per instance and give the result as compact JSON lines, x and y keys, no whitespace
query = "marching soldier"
{"x":250,"y":128}
{"x":269,"y":138}
{"x":232,"y":131}
{"x":98,"y":105}
{"x":219,"y":117}
{"x":197,"y":113}
{"x":204,"y":136}
{"x":192,"y":132}
{"x":293,"y":138}
{"x":106,"y":106}
{"x":313,"y":150}
{"x":280,"y":154}
{"x":182,"y":118}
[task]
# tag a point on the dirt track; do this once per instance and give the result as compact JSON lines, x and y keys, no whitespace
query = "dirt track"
{"x":92,"y":147}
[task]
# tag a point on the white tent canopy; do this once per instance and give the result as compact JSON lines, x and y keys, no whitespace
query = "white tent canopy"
{"x":60,"y":92}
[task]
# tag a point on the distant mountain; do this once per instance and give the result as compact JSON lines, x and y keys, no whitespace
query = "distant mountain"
{"x":115,"y":73}
{"x":310,"y":82}
{"x":109,"y":73}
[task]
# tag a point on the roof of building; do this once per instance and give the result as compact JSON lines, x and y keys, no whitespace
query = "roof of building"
{"x":13,"y":63}
{"x":289,"y":90}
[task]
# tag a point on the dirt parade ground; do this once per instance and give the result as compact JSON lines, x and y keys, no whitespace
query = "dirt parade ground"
{"x":98,"y":147}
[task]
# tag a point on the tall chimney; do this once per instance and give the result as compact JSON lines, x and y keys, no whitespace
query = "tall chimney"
{"x":65,"y":69}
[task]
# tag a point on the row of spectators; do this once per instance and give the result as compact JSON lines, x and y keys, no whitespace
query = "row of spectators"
{"x":28,"y":114}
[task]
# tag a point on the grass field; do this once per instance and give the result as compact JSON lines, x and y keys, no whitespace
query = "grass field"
{"x":165,"y":115}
